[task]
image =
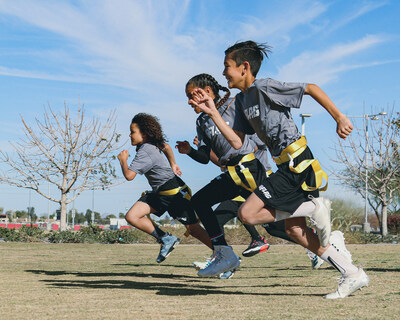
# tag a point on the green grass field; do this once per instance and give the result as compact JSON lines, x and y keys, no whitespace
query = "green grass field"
{"x":90,"y":281}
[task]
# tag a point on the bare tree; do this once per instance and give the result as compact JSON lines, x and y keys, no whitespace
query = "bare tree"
{"x":371,"y":162}
{"x":73,"y":154}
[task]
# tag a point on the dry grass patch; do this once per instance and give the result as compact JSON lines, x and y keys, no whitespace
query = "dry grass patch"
{"x":82,"y":281}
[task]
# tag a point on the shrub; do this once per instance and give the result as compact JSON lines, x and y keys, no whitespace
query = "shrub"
{"x":377,"y":238}
{"x":10,"y":234}
{"x":119,"y":236}
{"x":64,"y":237}
{"x":394,"y":223}
{"x":344,"y":214}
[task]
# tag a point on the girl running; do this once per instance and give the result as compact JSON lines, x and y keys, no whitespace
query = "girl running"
{"x":241,"y":165}
{"x":169,"y":192}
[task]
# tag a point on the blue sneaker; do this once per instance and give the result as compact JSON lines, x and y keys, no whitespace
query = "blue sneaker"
{"x":229,"y":274}
{"x":168,"y":243}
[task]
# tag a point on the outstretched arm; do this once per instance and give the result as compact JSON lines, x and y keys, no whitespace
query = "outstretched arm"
{"x":202,"y":100}
{"x":201,"y":155}
{"x":213,"y":157}
{"x":167,"y":150}
{"x":344,"y":126}
{"x":123,"y":160}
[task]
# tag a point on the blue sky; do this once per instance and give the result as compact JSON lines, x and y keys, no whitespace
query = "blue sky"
{"x":136,"y":56}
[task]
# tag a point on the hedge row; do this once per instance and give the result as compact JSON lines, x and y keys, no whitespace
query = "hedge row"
{"x":94,"y":234}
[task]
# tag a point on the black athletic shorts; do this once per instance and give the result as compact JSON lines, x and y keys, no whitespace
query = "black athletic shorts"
{"x":177,"y":206}
{"x":282,"y":189}
{"x":227,"y":210}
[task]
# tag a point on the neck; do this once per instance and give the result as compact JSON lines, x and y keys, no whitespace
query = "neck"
{"x":247,"y":83}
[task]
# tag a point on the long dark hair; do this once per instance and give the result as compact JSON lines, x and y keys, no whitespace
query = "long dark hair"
{"x":151,"y":129}
{"x":203,"y":80}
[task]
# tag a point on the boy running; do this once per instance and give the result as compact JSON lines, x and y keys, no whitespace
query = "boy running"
{"x":264,"y":108}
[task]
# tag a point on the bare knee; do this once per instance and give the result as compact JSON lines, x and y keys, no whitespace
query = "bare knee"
{"x":245,"y":216}
{"x":131,"y":218}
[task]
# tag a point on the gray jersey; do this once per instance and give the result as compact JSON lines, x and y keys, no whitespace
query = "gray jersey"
{"x":151,"y":162}
{"x":262,"y":151}
{"x":210,"y":136}
{"x":265,"y":110}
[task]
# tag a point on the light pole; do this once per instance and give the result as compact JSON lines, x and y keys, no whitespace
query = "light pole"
{"x":29,"y":203}
{"x":366,"y":117}
{"x":48,"y":208}
{"x":93,"y":207}
{"x":303,"y":122}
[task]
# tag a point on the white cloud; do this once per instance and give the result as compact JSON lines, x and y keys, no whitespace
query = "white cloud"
{"x":276,"y":23}
{"x":360,"y":11}
{"x":322,"y":67}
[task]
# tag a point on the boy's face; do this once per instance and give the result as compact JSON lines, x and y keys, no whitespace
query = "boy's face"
{"x":233,"y":73}
{"x":135,"y":135}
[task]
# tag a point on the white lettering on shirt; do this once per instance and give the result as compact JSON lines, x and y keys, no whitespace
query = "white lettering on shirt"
{"x":252,"y":112}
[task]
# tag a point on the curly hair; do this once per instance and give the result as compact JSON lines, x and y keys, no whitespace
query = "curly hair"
{"x":203,"y":80}
{"x":249,"y":51}
{"x":151,"y":129}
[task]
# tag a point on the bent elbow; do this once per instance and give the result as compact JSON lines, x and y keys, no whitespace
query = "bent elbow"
{"x":237,"y":145}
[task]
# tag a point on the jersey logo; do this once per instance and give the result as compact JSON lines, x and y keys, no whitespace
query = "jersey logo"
{"x":265,"y":192}
{"x":213,"y":130}
{"x":252,"y":112}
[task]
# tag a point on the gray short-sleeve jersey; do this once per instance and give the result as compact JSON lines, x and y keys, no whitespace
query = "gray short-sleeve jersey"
{"x":151,"y":162}
{"x":210,"y":136}
{"x":265,"y":110}
{"x":262,"y":151}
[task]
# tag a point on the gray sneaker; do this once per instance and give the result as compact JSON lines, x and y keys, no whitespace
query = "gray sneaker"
{"x":228,"y":274}
{"x":225,"y":260}
{"x":349,"y":284}
{"x":168,"y":243}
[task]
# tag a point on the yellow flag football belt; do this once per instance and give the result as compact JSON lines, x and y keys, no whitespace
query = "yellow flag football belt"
{"x":187,"y":194}
{"x":245,"y":171}
{"x":293,"y":151}
{"x":240,"y":198}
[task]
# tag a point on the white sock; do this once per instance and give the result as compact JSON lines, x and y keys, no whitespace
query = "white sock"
{"x":340,"y":263}
{"x":304,"y":210}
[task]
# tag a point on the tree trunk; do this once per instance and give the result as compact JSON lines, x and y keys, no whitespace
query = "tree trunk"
{"x":384,"y":228}
{"x":63,"y":219}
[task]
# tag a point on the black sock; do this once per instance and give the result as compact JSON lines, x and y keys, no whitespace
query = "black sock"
{"x":253,"y":232}
{"x":158,"y":233}
{"x":219,"y":240}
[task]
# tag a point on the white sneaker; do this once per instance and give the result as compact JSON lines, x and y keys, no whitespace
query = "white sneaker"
{"x":316,"y":262}
{"x":199,"y":265}
{"x":337,"y":240}
{"x":225,"y":259}
{"x":349,"y":284}
{"x":321,"y":219}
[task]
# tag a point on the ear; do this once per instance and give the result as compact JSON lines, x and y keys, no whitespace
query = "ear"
{"x":246,"y":67}
{"x":208,"y":90}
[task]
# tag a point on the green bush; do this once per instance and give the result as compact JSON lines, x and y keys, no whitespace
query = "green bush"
{"x":377,"y":238}
{"x":394,"y":223}
{"x":64,"y":237}
{"x":10,"y":234}
{"x":344,"y":214}
{"x":119,"y":236}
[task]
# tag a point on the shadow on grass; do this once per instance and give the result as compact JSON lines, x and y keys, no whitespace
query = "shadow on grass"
{"x":112,"y":274}
{"x":152,"y":265}
{"x":170,"y":289}
{"x":382,"y":269}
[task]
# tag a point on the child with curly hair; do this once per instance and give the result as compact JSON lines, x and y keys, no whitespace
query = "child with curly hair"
{"x":169,"y":192}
